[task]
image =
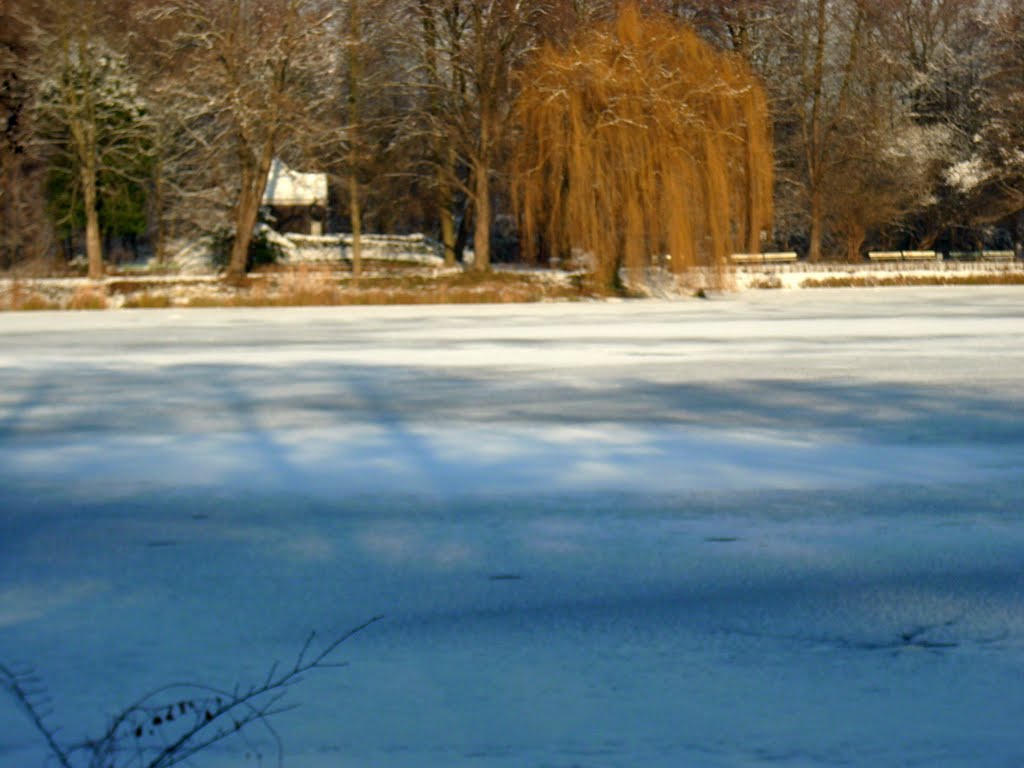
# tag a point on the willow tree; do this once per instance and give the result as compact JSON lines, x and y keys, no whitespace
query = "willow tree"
{"x":639,"y":139}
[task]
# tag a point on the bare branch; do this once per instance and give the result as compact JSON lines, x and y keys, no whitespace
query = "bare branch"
{"x":197,"y":714}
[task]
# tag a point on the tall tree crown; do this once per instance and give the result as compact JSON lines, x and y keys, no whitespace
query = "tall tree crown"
{"x":641,"y":139}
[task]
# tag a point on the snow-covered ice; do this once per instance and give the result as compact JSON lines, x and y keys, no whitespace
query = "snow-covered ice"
{"x":768,"y":528}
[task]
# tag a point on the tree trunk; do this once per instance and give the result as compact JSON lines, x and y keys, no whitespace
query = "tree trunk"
{"x":444,"y":156}
{"x":606,"y":275}
{"x":247,"y":212}
{"x":93,"y":243}
{"x":815,"y":137}
{"x":355,"y":213}
{"x":352,"y":82}
{"x":447,"y":226}
{"x":482,"y":218}
{"x":855,"y":235}
{"x":462,"y":230}
{"x":159,"y":221}
{"x":1018,"y":235}
{"x":815,"y":235}
{"x":445,"y":201}
{"x":755,"y":206}
{"x":482,"y":195}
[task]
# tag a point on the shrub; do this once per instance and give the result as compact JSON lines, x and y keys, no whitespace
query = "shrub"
{"x":262,"y":250}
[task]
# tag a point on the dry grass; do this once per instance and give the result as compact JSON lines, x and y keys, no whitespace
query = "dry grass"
{"x":464,"y":288}
{"x":303,"y":286}
{"x":128,"y":287}
{"x":207,"y":300}
{"x":88,"y":297}
{"x":147,"y":300}
{"x":766,"y":283}
{"x":321,"y":286}
{"x":22,"y":299}
{"x":307,"y":286}
{"x":952,"y":278}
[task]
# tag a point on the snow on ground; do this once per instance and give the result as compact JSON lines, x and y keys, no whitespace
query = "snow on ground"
{"x":769,"y":528}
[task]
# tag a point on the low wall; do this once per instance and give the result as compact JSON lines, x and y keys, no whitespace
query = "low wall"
{"x":415,"y":248}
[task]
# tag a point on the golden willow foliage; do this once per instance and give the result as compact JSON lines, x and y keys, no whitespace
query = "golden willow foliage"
{"x":640,"y":139}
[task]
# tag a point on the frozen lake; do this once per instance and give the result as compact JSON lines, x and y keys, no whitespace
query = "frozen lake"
{"x":772,"y":528}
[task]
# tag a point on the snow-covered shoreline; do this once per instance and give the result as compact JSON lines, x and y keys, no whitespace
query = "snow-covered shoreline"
{"x":142,"y":289}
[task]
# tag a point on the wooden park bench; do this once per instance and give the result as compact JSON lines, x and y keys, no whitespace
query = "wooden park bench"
{"x":772,"y":257}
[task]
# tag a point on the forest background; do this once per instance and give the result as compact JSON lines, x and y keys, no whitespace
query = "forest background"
{"x":131,"y":126}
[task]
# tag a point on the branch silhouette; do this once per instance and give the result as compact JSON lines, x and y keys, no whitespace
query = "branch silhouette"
{"x":175,"y":722}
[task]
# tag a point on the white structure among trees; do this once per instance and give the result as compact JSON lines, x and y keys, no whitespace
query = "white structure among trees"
{"x":295,"y":195}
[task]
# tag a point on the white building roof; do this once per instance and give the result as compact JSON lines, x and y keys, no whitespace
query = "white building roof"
{"x":288,"y":187}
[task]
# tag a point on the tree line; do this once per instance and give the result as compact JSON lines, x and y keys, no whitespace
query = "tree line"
{"x":892,"y":123}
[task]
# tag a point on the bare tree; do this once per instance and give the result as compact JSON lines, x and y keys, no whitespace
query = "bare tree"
{"x":1006,"y":126}
{"x":440,"y":28}
{"x":884,"y":172}
{"x":177,"y":176}
{"x":254,"y":71}
{"x":358,"y":130}
{"x":22,"y":207}
{"x":823,"y":48}
{"x":747,"y":27}
{"x":990,"y":177}
{"x":941,"y":51}
{"x":885,"y":156}
{"x":927,"y":36}
{"x":354,"y":57}
{"x":469,"y":54}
